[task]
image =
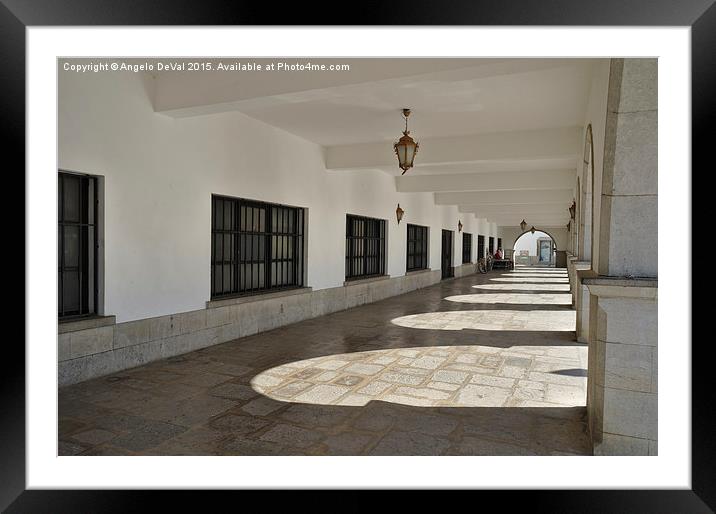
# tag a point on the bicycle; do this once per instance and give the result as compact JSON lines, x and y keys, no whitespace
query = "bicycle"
{"x":484,"y":264}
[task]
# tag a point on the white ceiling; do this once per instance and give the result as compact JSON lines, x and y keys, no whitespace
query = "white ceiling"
{"x":471,"y":96}
{"x":493,"y":115}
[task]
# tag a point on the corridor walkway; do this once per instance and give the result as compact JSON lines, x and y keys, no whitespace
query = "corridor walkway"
{"x":481,"y":365}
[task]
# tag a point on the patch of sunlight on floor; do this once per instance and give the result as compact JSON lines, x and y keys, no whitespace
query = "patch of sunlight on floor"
{"x":539,"y":270}
{"x":550,"y":321}
{"x":434,"y":376}
{"x":514,"y":298}
{"x":552,"y":280}
{"x":524,"y":287}
{"x":534,"y":275}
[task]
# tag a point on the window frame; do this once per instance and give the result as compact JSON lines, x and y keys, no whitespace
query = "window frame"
{"x":372,"y":247}
{"x":466,"y":248}
{"x":480,"y":246}
{"x":423,"y":253}
{"x":241,"y":234}
{"x":88,"y":257}
{"x":491,"y":245}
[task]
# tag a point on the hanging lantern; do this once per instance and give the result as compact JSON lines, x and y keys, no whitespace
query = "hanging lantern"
{"x":523,"y":225}
{"x":533,"y":229}
{"x":406,"y":147}
{"x":399,"y":213}
{"x":459,"y":226}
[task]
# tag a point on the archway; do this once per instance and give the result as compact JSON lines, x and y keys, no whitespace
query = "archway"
{"x":536,"y":248}
{"x":586,"y":210}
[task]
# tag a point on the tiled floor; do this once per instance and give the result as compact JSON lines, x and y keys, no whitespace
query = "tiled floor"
{"x":453,"y":369}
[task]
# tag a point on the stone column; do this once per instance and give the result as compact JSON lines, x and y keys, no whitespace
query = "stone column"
{"x":622,"y":391}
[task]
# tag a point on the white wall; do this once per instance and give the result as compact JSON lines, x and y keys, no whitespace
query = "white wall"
{"x":160,"y":173}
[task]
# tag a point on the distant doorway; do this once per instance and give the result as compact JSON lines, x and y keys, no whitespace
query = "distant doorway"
{"x":545,"y":251}
{"x":446,"y":255}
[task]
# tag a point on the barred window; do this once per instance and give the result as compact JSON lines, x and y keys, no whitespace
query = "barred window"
{"x":417,"y":247}
{"x":256,"y":247}
{"x":480,"y":246}
{"x":77,"y":245}
{"x":491,"y":245}
{"x":365,"y":247}
{"x":499,"y":243}
{"x":466,"y":248}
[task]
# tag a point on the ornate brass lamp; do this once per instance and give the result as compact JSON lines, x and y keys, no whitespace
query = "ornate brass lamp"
{"x":406,"y":147}
{"x":523,"y":225}
{"x":533,"y":229}
{"x":459,"y":226}
{"x":399,"y":213}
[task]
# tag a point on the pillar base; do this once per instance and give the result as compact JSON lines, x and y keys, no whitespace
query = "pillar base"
{"x":622,"y":392}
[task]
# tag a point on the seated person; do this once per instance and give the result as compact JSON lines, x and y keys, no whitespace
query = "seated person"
{"x":498,"y":254}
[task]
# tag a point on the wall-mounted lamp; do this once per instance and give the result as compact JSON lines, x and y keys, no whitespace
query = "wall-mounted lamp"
{"x":523,"y":225}
{"x":569,"y":226}
{"x":572,"y":209}
{"x":399,"y":213}
{"x":459,"y":226}
{"x":533,"y":229}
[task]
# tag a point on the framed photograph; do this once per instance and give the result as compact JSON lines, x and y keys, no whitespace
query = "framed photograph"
{"x":418,"y":251}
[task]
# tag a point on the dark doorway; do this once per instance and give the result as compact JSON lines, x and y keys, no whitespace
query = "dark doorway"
{"x":446,"y":256}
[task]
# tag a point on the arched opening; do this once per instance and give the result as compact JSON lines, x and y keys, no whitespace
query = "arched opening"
{"x":586,"y":210}
{"x":536,"y":248}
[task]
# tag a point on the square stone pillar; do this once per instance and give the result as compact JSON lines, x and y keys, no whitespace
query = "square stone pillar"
{"x":628,"y":220}
{"x":580,"y":293}
{"x":622,"y":382}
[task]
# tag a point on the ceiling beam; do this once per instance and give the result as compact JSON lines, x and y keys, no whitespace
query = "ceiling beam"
{"x":496,"y":181}
{"x":563,"y":196}
{"x":512,"y":220}
{"x":518,"y":145}
{"x":515,"y":210}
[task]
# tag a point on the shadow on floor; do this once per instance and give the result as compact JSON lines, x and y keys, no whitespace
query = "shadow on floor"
{"x":202,"y":403}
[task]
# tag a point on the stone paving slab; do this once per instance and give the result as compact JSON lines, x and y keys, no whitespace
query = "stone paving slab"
{"x":453,"y":369}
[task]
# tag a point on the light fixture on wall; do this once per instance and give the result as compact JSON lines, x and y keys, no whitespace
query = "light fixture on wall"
{"x":569,"y":226}
{"x":523,"y":225}
{"x":533,"y":229}
{"x":572,"y":209}
{"x":399,"y":213}
{"x":406,"y":147}
{"x":459,"y":226}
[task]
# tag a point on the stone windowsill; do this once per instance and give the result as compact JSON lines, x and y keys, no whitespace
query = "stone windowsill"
{"x":74,"y":325}
{"x":368,"y":280}
{"x":236,"y":300}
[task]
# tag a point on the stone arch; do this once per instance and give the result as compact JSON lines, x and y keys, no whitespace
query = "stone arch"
{"x":554,"y":242}
{"x":536,"y":230}
{"x":587,"y":195}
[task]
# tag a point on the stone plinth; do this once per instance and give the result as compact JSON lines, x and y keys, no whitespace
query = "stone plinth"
{"x":622,"y":390}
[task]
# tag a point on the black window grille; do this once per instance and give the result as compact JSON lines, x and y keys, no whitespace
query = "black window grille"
{"x":480,"y":246}
{"x":499,"y":243}
{"x":256,"y":247}
{"x":491,"y":246}
{"x":466,"y":248}
{"x":77,"y":245}
{"x":365,"y":247}
{"x":417,"y":247}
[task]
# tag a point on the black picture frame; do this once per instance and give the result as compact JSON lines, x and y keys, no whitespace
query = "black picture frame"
{"x":16,"y":15}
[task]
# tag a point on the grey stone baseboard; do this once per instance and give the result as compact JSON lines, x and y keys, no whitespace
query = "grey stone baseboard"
{"x":100,"y":350}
